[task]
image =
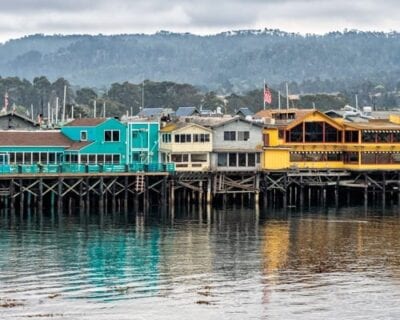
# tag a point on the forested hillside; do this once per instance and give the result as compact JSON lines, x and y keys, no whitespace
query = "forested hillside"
{"x":227,"y":62}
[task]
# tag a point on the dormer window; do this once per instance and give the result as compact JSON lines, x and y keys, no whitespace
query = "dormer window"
{"x":84,"y":135}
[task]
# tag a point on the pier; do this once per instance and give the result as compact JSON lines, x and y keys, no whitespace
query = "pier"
{"x":103,"y":192}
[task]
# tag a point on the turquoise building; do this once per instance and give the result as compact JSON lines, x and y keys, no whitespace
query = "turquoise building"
{"x":32,"y":151}
{"x":96,"y":141}
{"x":143,"y":144}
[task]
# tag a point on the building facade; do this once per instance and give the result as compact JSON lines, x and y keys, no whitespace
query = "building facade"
{"x":188,"y":145}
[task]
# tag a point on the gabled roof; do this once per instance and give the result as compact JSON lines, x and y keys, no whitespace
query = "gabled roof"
{"x":177,"y":126}
{"x":329,"y":120}
{"x":245,"y":112}
{"x":34,"y":139}
{"x":186,"y":111}
{"x":85,"y":122}
{"x":219,"y":122}
{"x":22,"y":117}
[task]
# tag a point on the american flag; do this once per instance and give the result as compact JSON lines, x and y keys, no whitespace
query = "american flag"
{"x":267,"y":95}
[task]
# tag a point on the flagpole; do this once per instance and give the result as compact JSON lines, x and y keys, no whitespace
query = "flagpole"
{"x":264,"y":94}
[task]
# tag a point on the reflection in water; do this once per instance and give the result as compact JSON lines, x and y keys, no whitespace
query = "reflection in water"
{"x":230,"y":264}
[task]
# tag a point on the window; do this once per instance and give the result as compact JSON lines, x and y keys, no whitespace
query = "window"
{"x":73,"y":158}
{"x":232,"y":160}
{"x":52,"y":157}
{"x":135,"y":157}
{"x":230,"y":135}
{"x":222,"y":160}
{"x":116,"y":158}
{"x":183,"y":138}
{"x":84,"y":158}
{"x":111,"y":135}
{"x":84,"y":135}
{"x":243,"y":135}
{"x":180,"y":158}
{"x":100,"y":158}
{"x":295,"y":134}
{"x":3,"y":158}
{"x":258,"y":158}
{"x":166,"y":137}
{"x":313,"y":132}
{"x":350,"y":157}
{"x":202,"y":157}
{"x":12,"y":157}
{"x":383,"y":137}
{"x":203,"y":137}
{"x":242,"y":159}
{"x":19,"y":157}
{"x":28,"y":158}
{"x":351,"y":136}
{"x":43,"y":157}
{"x":35,"y":157}
{"x":251,"y":159}
{"x":92,"y":158}
{"x":368,"y":136}
{"x":332,"y":134}
{"x":108,"y":158}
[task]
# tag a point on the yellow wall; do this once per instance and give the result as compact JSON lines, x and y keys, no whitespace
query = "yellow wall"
{"x":273,"y":137}
{"x":276,"y":159}
{"x":394,"y":118}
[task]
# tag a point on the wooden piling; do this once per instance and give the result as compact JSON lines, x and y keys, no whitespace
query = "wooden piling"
{"x":60,"y":195}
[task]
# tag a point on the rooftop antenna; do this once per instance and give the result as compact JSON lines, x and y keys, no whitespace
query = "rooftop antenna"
{"x":131,"y":112}
{"x":94,"y":109}
{"x":104,"y":109}
{"x":72,"y":112}
{"x":32,"y":111}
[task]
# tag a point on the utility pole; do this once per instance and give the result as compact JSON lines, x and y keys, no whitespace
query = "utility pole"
{"x":64,"y":103}
{"x":287,"y":96}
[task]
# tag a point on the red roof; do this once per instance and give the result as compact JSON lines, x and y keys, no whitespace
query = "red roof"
{"x":76,"y":146}
{"x":34,"y":139}
{"x":85,"y":122}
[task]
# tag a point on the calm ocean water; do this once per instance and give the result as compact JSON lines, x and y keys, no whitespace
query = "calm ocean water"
{"x":223,"y":264}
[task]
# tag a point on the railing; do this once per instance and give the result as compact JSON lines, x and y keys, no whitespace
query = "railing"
{"x":85,"y":168}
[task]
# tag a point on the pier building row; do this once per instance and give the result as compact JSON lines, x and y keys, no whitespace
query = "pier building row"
{"x":288,"y":157}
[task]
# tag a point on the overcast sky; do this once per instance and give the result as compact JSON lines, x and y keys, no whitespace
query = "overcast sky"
{"x":23,"y":17}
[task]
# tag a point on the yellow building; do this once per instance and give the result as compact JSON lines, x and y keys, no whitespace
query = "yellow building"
{"x":316,"y":141}
{"x":188,"y":145}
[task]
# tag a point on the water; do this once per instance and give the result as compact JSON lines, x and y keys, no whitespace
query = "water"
{"x":232,"y":264}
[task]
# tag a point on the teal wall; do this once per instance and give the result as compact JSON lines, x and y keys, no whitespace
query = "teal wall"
{"x":96,"y":134}
{"x":143,"y":144}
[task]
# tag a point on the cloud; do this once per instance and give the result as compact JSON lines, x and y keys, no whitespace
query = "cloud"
{"x":21,"y":17}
